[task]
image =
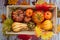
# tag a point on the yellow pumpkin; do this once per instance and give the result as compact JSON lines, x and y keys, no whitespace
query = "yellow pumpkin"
{"x":47,"y":25}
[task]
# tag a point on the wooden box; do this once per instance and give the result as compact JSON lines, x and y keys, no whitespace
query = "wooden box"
{"x":54,"y":11}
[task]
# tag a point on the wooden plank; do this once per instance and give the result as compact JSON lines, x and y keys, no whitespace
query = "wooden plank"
{"x":23,"y":32}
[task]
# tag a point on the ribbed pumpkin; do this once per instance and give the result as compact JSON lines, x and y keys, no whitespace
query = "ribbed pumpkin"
{"x":38,"y":17}
{"x":47,"y":25}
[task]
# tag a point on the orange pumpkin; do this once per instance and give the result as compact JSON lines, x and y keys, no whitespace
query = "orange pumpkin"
{"x":48,"y":15}
{"x":29,"y":12}
{"x":38,"y":17}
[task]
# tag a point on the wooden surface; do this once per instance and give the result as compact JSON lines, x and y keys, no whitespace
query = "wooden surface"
{"x":3,"y":10}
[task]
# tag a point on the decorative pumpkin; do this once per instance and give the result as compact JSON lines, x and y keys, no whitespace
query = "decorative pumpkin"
{"x":18,"y":15}
{"x":16,"y":26}
{"x":27,"y":19}
{"x":31,"y":25}
{"x":48,"y":15}
{"x":29,"y":12}
{"x":47,"y":25}
{"x":38,"y":17}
